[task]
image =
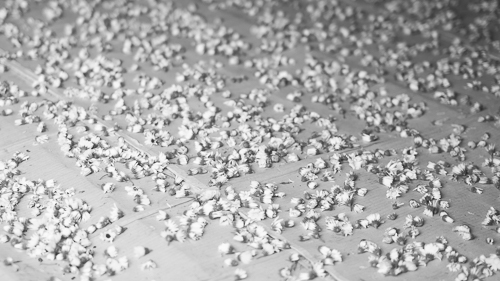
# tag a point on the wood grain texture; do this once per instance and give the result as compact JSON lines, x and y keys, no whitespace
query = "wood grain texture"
{"x":199,"y":260}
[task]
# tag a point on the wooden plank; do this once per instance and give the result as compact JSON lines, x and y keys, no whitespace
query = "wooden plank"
{"x":198,"y":258}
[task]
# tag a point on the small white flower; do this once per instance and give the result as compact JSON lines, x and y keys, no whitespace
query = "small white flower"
{"x":246,"y":257}
{"x":91,"y":229}
{"x":463,"y":231}
{"x":362,"y":191}
{"x":286,"y":272}
{"x":330,"y":256}
{"x":230,"y":262}
{"x":347,"y":228}
{"x":374,"y":219}
{"x":112,"y":252}
{"x":312,"y":185}
{"x":279,"y":107}
{"x":445,"y":217}
{"x":358,"y":208}
{"x":115,"y":214}
{"x":344,"y":198}
{"x":108,"y":187}
{"x":162,"y":215}
{"x":148,"y":265}
{"x":312,"y":151}
{"x":117,"y":265}
{"x":138,"y":208}
{"x":444,"y":204}
{"x":454,"y":267}
{"x":289,"y":223}
{"x":393,"y":193}
{"x":277,"y":225}
{"x":355,"y":161}
{"x":307,"y":275}
{"x":319,"y":270}
{"x":294,"y":213}
{"x":4,"y":238}
{"x":292,"y":157}
{"x":364,"y":223}
{"x":42,"y":139}
{"x":428,"y":212}
{"x":226,"y":219}
{"x":436,"y":193}
{"x":240,"y":274}
{"x":493,"y":262}
{"x":433,"y":249}
{"x":108,"y":236}
{"x":225,"y":248}
{"x":387,"y":181}
{"x":140,"y":251}
{"x":257,"y":214}
{"x":181,"y":235}
{"x":309,"y":224}
{"x":384,"y":265}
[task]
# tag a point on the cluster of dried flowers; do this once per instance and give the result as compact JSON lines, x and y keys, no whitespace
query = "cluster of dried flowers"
{"x":186,"y":124}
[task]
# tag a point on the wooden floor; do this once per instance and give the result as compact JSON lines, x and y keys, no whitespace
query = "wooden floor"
{"x":201,"y":259}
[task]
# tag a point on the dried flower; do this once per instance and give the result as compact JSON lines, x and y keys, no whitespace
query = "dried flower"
{"x":464,"y":231}
{"x":108,"y":236}
{"x":368,"y":246}
{"x":108,"y":187}
{"x":162,"y":215}
{"x":140,"y":251}
{"x":115,"y":214}
{"x":330,"y":256}
{"x":149,"y":265}
{"x":374,"y":220}
{"x":112,"y":252}
{"x":225,"y":248}
{"x":414,"y":204}
{"x":230,"y":262}
{"x":358,"y":208}
{"x":392,"y":216}
{"x":240,"y":274}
